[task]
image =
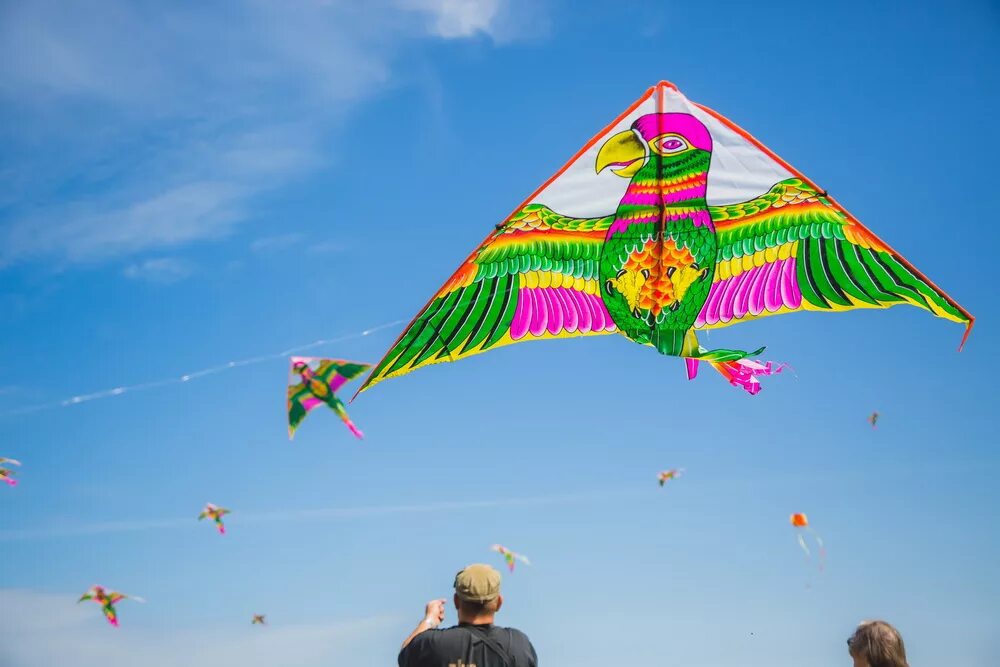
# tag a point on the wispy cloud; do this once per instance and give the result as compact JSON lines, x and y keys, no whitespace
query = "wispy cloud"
{"x":319,"y":514}
{"x":324,"y":247}
{"x":162,"y":270}
{"x":500,"y":20}
{"x":275,"y":243}
{"x":297,"y":240}
{"x":458,"y":18}
{"x":143,"y":127}
{"x":43,"y":629}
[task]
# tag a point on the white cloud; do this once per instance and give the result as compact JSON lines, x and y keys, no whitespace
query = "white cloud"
{"x":458,"y":18}
{"x":44,"y":629}
{"x":143,"y":127}
{"x":275,"y":243}
{"x":198,"y":190}
{"x":163,"y":270}
{"x":324,"y":247}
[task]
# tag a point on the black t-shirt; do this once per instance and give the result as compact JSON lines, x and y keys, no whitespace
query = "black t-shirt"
{"x":461,"y":646}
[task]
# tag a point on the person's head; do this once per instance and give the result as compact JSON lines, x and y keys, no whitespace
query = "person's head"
{"x":877,"y":644}
{"x":477,"y":594}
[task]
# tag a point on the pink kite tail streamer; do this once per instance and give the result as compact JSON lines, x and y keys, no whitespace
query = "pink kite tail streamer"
{"x":354,"y":429}
{"x":10,"y":481}
{"x":692,"y":367}
{"x":744,"y":373}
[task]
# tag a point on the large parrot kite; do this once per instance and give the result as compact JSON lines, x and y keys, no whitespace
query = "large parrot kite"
{"x":671,"y":221}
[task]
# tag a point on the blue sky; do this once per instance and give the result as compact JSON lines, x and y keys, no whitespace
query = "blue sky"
{"x":187,"y":186}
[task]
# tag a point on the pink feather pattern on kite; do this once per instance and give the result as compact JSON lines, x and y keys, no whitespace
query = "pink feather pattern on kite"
{"x":555,"y":310}
{"x":769,"y":287}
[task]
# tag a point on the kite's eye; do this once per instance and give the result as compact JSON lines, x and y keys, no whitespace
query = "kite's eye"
{"x":672,"y":144}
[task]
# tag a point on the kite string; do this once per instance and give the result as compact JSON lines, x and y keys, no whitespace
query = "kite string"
{"x":187,"y":377}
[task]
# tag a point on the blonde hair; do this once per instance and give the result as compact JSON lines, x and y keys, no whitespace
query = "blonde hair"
{"x":879,"y":644}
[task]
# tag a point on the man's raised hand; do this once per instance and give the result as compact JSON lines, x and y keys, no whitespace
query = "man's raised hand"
{"x":434,"y":613}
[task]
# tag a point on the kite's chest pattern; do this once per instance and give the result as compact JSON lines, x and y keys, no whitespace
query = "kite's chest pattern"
{"x":659,"y":255}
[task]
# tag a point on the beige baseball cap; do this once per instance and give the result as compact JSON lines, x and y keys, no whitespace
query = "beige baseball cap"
{"x":477,"y":583}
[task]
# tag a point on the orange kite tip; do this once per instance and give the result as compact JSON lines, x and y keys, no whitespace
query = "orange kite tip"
{"x":799,"y":520}
{"x":968,"y":330}
{"x":666,"y":84}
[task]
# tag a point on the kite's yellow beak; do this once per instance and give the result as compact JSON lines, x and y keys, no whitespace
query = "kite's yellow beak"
{"x":623,"y":152}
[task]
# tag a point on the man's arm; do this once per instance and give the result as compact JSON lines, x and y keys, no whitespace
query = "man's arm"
{"x":433,"y":615}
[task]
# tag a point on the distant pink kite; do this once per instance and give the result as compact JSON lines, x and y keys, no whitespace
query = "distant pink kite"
{"x":510,"y":556}
{"x":107,"y":599}
{"x":6,"y":474}
{"x":668,"y":475}
{"x":314,"y":382}
{"x":215,"y":514}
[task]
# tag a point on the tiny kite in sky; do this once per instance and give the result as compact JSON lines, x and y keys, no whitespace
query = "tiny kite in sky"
{"x":258,"y":619}
{"x":6,"y":474}
{"x":873,"y":419}
{"x":667,"y":475}
{"x":510,"y":556}
{"x":671,"y":221}
{"x":107,"y":599}
{"x":215,"y":514}
{"x":314,"y":382}
{"x":801,"y":523}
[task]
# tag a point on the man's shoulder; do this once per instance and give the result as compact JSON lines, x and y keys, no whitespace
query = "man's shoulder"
{"x":440,"y":635}
{"x":464,"y":631}
{"x":518,"y":638}
{"x":514,"y":632}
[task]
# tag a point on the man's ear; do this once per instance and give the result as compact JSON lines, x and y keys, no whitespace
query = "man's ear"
{"x":455,"y":599}
{"x":499,"y":602}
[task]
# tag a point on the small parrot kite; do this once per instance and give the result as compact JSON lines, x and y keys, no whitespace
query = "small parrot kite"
{"x":668,"y":475}
{"x":6,"y":474}
{"x":873,"y":419}
{"x":107,"y":599}
{"x":215,"y":514}
{"x":258,"y":619}
{"x":314,"y":382}
{"x":801,"y":524}
{"x":672,"y":221}
{"x":510,"y":556}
